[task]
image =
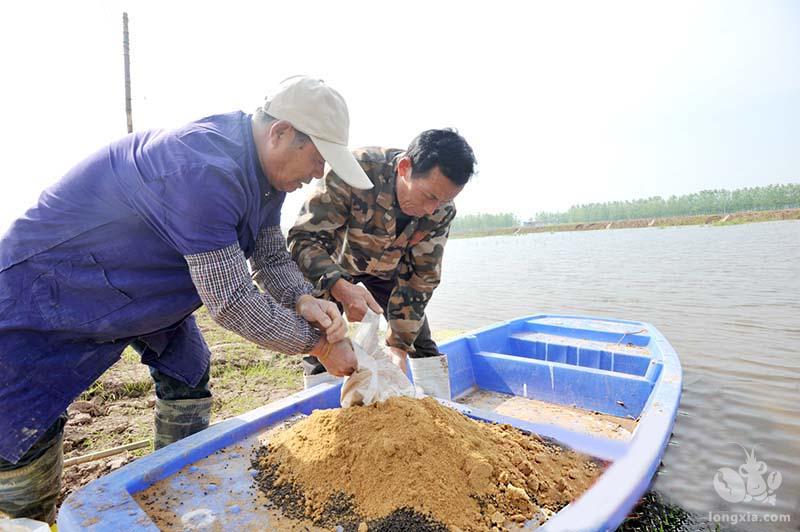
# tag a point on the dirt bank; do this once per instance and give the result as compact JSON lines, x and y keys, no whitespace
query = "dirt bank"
{"x":703,"y":219}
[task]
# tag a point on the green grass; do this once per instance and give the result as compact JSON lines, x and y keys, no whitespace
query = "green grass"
{"x":234,"y":406}
{"x":273,"y":374}
{"x":104,"y":439}
{"x":109,"y":392}
{"x":130,"y":356}
{"x":136,"y":388}
{"x":97,"y":388}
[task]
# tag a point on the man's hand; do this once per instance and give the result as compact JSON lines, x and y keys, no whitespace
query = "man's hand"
{"x":324,"y":315}
{"x":355,"y":299}
{"x":398,"y":358}
{"x":339,"y":358}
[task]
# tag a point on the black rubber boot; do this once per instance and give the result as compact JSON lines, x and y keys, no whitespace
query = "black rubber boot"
{"x":177,"y":418}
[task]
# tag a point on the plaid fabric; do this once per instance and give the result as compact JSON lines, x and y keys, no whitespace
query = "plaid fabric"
{"x":274,"y":269}
{"x":226,"y":289}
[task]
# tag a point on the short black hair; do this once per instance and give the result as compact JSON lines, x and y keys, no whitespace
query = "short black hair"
{"x":446,"y":149}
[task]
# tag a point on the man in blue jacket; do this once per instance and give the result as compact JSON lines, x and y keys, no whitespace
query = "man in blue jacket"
{"x":129,"y":243}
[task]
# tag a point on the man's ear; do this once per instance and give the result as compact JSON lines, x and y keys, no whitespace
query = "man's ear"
{"x":279,"y":132}
{"x":404,"y":167}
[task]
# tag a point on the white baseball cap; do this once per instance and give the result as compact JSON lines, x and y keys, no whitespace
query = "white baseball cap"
{"x":321,"y":113}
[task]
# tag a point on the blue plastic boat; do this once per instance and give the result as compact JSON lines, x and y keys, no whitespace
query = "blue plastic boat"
{"x":607,"y":388}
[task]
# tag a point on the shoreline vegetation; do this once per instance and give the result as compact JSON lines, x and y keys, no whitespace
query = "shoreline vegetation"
{"x":707,"y":207}
{"x":733,"y":218}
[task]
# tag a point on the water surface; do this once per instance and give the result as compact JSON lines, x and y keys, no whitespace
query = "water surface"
{"x":727,"y":298}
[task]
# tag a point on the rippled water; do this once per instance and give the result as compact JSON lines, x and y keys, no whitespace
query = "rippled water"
{"x":728,"y":300}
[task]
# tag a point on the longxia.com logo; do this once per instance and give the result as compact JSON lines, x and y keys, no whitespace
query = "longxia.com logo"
{"x":749,"y":483}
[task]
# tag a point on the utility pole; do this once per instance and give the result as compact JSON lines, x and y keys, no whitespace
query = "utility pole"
{"x":127,"y":53}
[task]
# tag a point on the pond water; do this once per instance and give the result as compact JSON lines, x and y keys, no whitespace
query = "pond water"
{"x":726,"y":297}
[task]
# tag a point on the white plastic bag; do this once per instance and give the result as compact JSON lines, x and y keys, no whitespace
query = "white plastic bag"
{"x":376,"y":379}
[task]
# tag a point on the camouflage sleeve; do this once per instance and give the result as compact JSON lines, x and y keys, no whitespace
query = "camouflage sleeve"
{"x":312,"y":240}
{"x":418,"y":275}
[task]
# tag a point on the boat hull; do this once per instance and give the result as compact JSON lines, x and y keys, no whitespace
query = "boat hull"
{"x":582,"y":366}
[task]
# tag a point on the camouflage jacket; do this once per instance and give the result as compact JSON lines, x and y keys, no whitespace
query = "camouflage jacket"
{"x":342,"y":232}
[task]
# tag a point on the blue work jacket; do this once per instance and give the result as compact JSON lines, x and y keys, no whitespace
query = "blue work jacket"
{"x":98,"y":263}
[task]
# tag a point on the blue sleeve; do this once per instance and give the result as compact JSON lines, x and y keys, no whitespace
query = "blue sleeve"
{"x":195,"y":208}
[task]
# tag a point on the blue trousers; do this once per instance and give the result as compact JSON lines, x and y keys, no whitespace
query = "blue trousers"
{"x":166,"y":388}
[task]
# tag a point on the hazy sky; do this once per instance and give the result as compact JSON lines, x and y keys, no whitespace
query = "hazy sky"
{"x":563,"y":102}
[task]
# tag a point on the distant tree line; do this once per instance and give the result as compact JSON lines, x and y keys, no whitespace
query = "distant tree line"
{"x":479,"y":222}
{"x":770,"y":197}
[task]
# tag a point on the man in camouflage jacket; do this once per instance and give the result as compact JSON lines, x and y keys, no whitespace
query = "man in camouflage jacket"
{"x":391,"y":239}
